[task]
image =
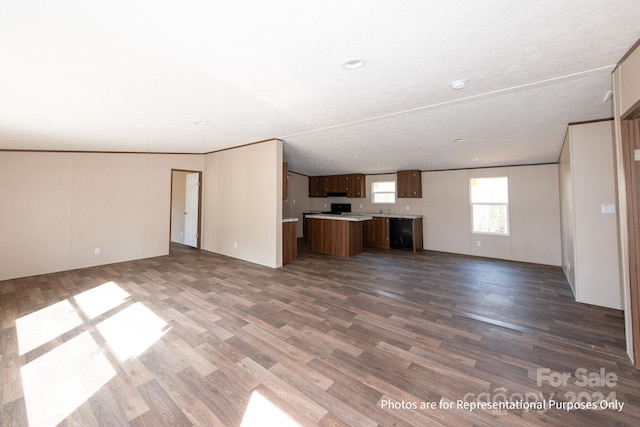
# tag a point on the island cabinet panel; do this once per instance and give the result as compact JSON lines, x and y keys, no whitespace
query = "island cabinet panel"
{"x":376,"y":232}
{"x":289,"y":242}
{"x":409,"y":184}
{"x":334,"y":237}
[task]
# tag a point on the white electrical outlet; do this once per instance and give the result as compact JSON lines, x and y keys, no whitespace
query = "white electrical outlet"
{"x":360,"y":205}
{"x":294,"y":201}
{"x":96,"y":251}
{"x":478,"y":243}
{"x":235,"y":245}
{"x":408,"y":207}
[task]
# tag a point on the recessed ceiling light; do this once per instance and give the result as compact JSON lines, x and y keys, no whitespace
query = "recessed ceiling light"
{"x":202,"y":122}
{"x":458,"y":140}
{"x":475,"y":159}
{"x":458,"y":84}
{"x":353,"y":64}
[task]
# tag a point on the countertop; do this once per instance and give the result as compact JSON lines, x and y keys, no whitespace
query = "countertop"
{"x":343,"y":217}
{"x":391,"y":215}
{"x":367,"y":214}
{"x":289,"y":219}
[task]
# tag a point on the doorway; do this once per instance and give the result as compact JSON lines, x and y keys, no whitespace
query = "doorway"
{"x":186,"y":207}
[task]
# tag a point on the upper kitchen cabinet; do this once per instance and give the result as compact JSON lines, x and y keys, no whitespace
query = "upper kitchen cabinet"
{"x":334,"y":184}
{"x":317,"y":186}
{"x":409,"y":184}
{"x":352,"y":185}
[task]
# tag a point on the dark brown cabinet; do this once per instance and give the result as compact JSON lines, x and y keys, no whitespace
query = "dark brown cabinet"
{"x":409,"y":184}
{"x":376,"y":232}
{"x":355,"y":185}
{"x":289,"y":242}
{"x":335,"y":237}
{"x":317,"y":186}
{"x":352,"y":184}
{"x":333,"y":184}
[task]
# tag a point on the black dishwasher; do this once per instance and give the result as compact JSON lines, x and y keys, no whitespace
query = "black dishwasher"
{"x":401,"y":233}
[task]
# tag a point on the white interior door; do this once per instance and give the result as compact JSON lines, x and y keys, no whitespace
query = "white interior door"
{"x":192,"y":195}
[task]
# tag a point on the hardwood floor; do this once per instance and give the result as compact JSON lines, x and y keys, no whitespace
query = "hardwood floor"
{"x":195,"y":338}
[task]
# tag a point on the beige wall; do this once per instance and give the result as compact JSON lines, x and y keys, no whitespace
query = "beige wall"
{"x":447,"y":220}
{"x":590,"y":244}
{"x":178,"y":207}
{"x":533,"y":214}
{"x":57,"y":208}
{"x":243,"y":203}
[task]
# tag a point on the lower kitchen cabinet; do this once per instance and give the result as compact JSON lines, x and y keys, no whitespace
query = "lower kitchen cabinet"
{"x":376,"y":232}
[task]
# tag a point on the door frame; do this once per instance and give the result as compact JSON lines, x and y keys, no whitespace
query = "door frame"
{"x":630,"y":138}
{"x":199,"y":237}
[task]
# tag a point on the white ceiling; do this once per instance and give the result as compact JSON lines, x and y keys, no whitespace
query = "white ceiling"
{"x":137,"y":75}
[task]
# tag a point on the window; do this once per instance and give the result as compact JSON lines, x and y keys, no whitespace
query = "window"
{"x":383,"y":192}
{"x":490,"y":205}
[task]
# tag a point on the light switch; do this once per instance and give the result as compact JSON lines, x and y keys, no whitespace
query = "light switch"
{"x":608,"y":209}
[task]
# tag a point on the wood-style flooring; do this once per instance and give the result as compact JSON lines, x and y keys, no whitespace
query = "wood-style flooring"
{"x":200,"y":339}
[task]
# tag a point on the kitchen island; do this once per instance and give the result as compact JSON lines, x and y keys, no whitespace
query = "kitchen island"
{"x":339,"y":235}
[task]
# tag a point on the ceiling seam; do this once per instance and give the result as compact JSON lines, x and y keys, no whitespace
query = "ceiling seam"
{"x":454,"y":101}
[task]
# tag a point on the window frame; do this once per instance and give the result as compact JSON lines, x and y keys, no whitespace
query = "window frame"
{"x":505,"y":204}
{"x":373,"y":192}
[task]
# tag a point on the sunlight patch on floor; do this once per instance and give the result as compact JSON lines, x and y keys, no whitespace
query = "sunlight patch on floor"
{"x":101,"y":299}
{"x":58,"y":382}
{"x":44,"y":325}
{"x":131,"y":331}
{"x":261,"y":412}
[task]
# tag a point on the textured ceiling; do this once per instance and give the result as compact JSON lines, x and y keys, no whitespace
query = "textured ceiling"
{"x":136,"y":76}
